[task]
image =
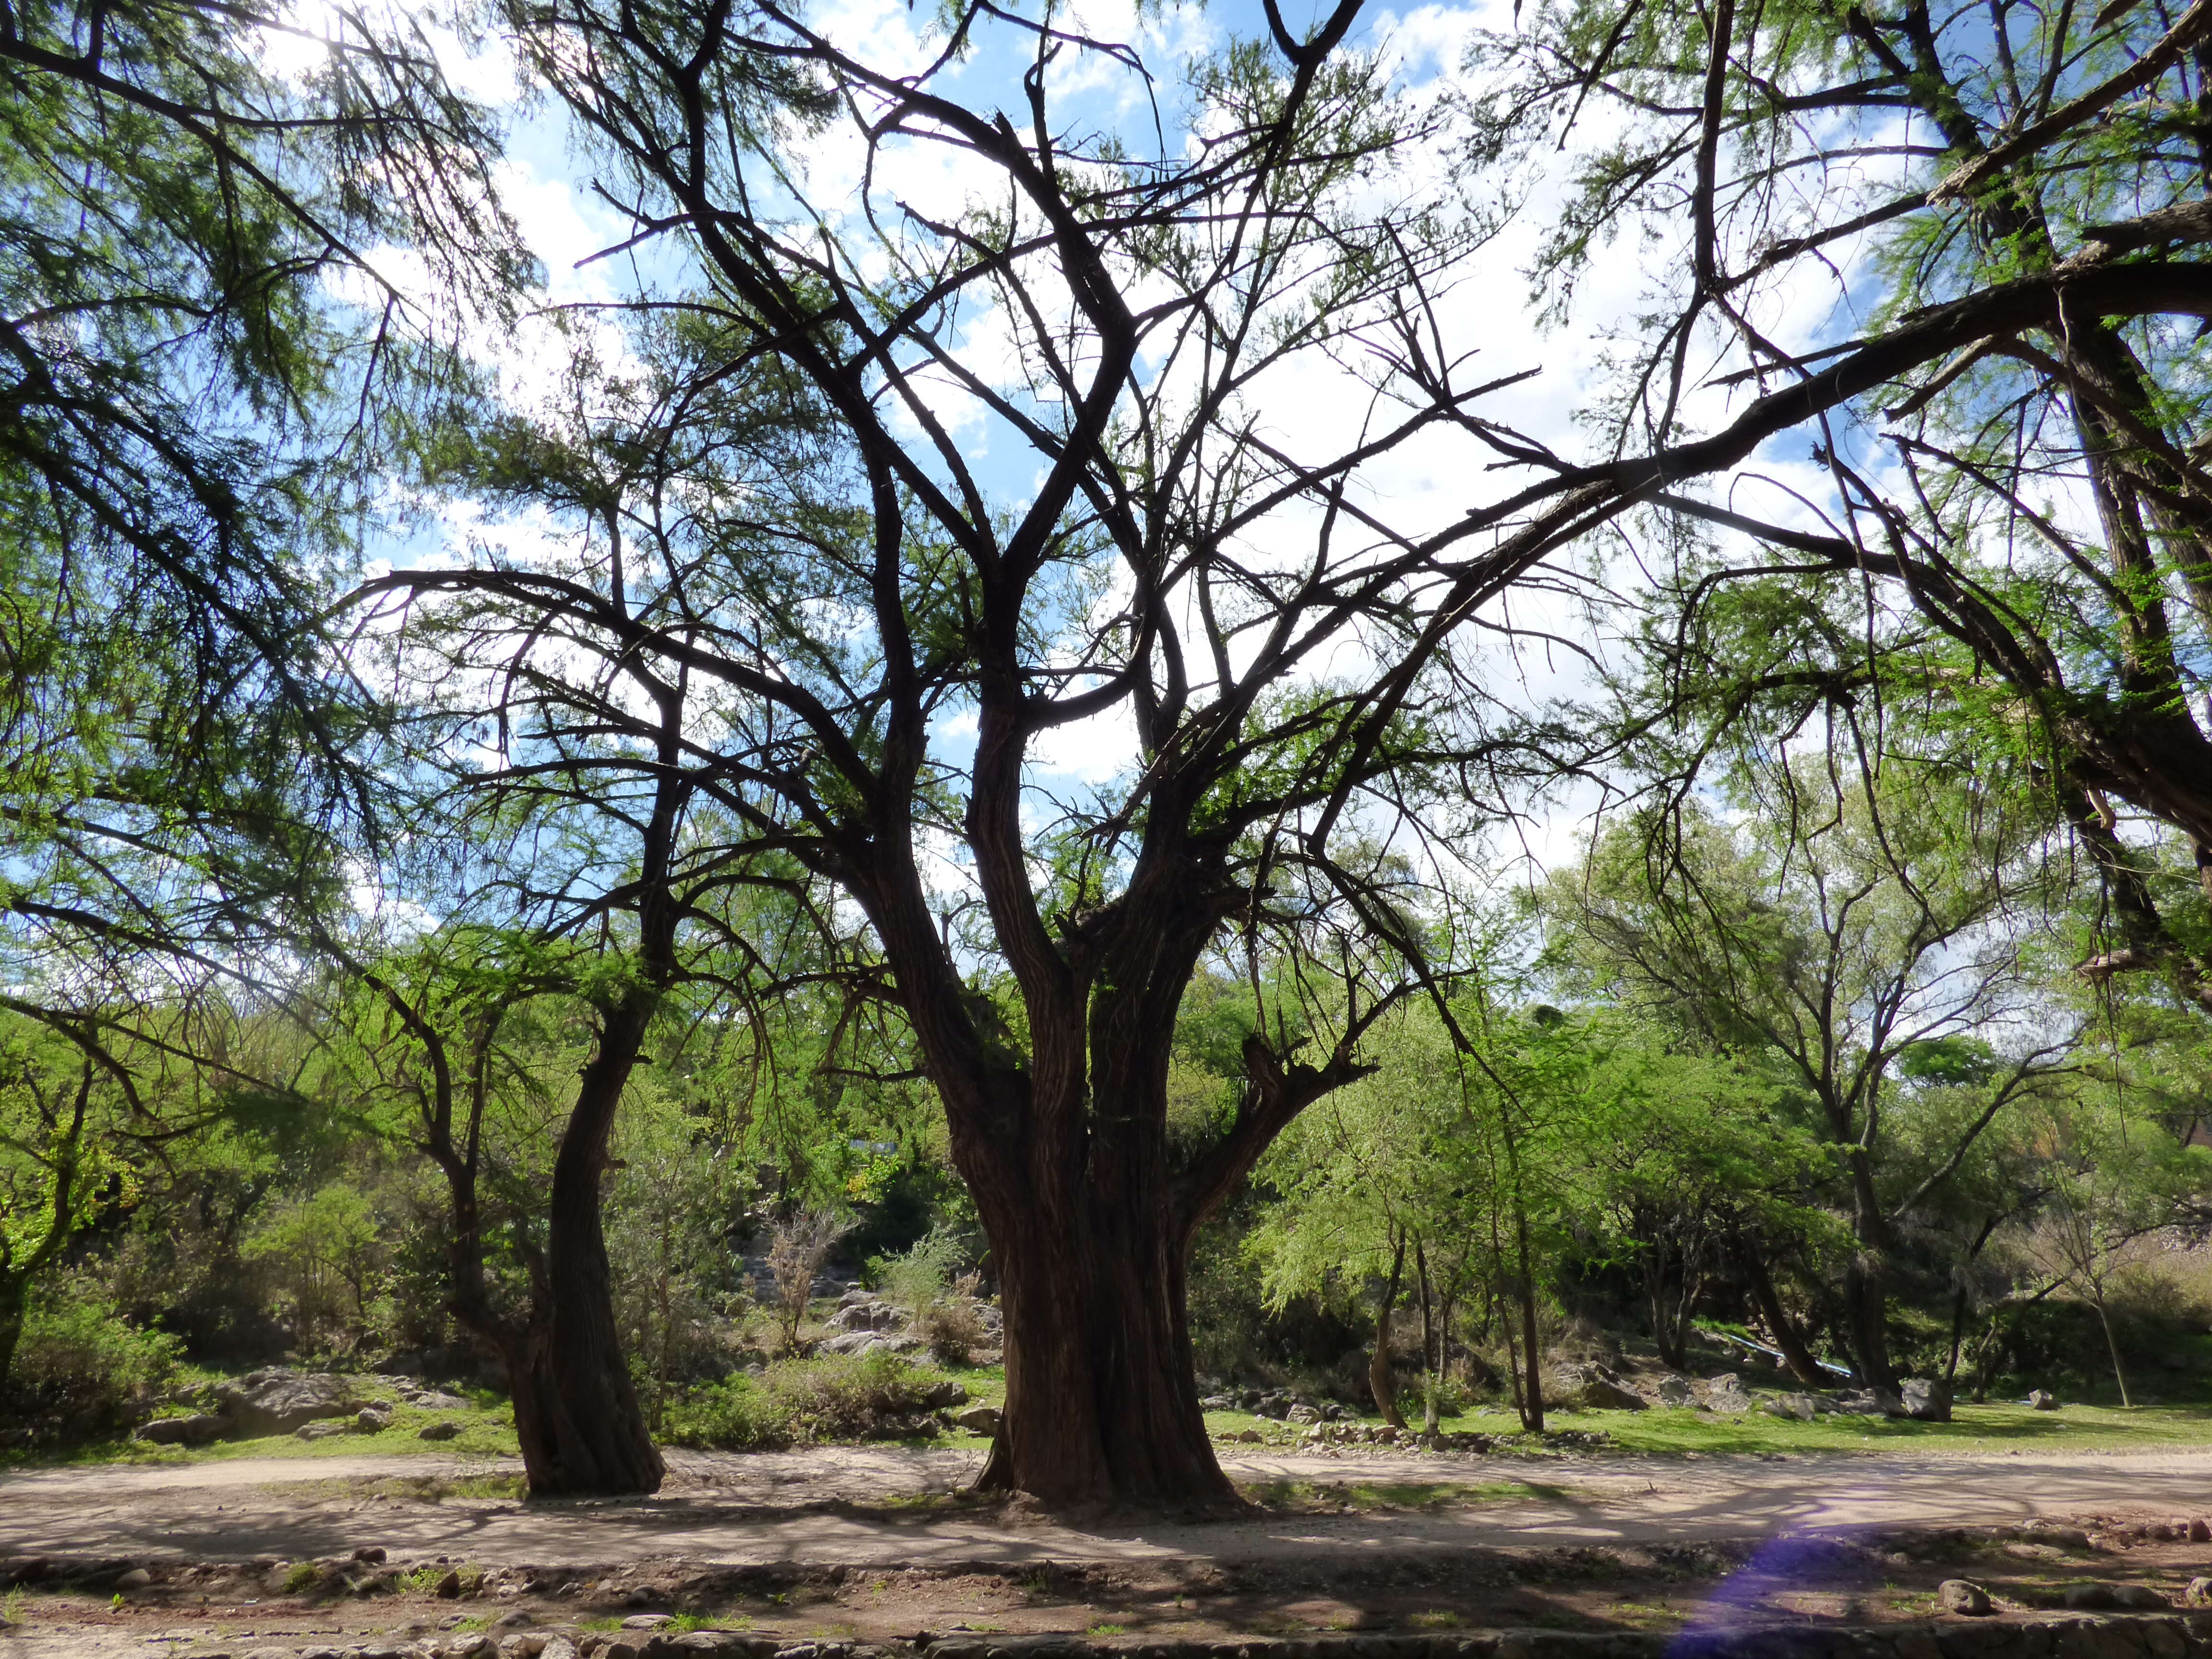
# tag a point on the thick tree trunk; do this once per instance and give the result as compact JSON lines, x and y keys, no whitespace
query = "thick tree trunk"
{"x":1866,"y":1320}
{"x":596,"y":1441}
{"x":1102,"y":1404}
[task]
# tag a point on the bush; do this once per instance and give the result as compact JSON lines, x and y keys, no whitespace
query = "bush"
{"x":798,"y":1402}
{"x":82,"y":1372}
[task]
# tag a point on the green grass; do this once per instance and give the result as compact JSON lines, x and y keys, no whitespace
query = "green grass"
{"x":486,"y":1431}
{"x":1974,"y":1429}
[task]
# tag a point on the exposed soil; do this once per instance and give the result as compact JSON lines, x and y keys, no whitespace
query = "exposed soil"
{"x":867,"y":1545}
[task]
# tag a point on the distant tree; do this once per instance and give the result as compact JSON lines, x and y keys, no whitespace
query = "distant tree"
{"x":1847,"y":936}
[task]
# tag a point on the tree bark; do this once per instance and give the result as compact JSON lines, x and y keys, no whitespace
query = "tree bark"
{"x":15,"y":1303}
{"x":1102,"y":1404}
{"x":1787,"y":1337}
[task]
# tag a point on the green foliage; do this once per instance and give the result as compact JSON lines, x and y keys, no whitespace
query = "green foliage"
{"x":80,"y":1371}
{"x":800,"y":1402}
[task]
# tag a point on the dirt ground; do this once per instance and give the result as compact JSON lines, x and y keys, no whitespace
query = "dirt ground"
{"x":874,"y":1545}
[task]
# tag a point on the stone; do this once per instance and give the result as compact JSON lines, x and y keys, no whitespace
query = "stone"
{"x":370,"y":1554}
{"x":1303,"y":1416}
{"x":850,"y":1342}
{"x":434,"y":1400}
{"x":2042,"y":1399}
{"x":557,"y":1647}
{"x":320,"y":1431}
{"x":2199,"y":1533}
{"x":1925,"y":1400}
{"x":2139,"y":1598}
{"x":447,"y":1430}
{"x":527,"y":1644}
{"x":137,"y":1579}
{"x":871,"y":1314}
{"x":647,"y":1620}
{"x":370,"y":1420}
{"x":2199,"y":1593}
{"x":448,"y":1589}
{"x":2090,"y":1598}
{"x":1802,"y":1407}
{"x":278,"y":1400}
{"x":1594,"y":1387}
{"x":1674,"y":1390}
{"x":979,"y":1420}
{"x":1726,"y":1393}
{"x":945,"y":1395}
{"x":1964,"y":1597}
{"x":194,"y":1430}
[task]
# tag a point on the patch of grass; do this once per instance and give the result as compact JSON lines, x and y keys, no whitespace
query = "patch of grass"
{"x":301,"y":1575}
{"x":1436,"y":1619}
{"x":1974,"y":1429}
{"x":1644,"y":1616}
{"x":413,"y":1488}
{"x":1108,"y":1629}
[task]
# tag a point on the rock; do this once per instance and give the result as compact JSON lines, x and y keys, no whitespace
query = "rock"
{"x":369,"y":1420}
{"x":137,"y":1579}
{"x":321,"y":1430}
{"x":1303,"y":1416}
{"x":557,"y":1647}
{"x":2199,"y":1533}
{"x":194,"y":1430}
{"x":2090,"y":1598}
{"x":1802,"y":1407}
{"x":850,"y":1342}
{"x":440,"y":1432}
{"x":1594,"y":1387}
{"x":870,"y":1314}
{"x":434,"y":1400}
{"x":647,"y":1620}
{"x":1218,"y":1402}
{"x":979,"y":1420}
{"x":1726,"y":1393}
{"x":2138,"y":1598}
{"x":2042,"y":1400}
{"x":1925,"y":1400}
{"x":945,"y":1395}
{"x":1674,"y":1391}
{"x":528,"y":1645}
{"x":369,"y":1554}
{"x":448,"y":1589}
{"x":2199,"y":1593}
{"x":1964,"y":1597}
{"x":278,"y":1400}
{"x":1387,"y":1434}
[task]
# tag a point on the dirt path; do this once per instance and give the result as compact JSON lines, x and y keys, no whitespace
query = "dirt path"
{"x":860,"y":1506}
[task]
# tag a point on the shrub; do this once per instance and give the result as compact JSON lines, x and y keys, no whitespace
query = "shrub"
{"x":82,"y":1371}
{"x":799,"y":1402}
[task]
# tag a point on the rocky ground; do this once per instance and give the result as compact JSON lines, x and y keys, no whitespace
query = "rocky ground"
{"x":816,"y":1555}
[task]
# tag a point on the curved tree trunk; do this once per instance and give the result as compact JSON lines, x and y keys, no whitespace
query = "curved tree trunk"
{"x":1787,"y":1337}
{"x":593,"y":1438}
